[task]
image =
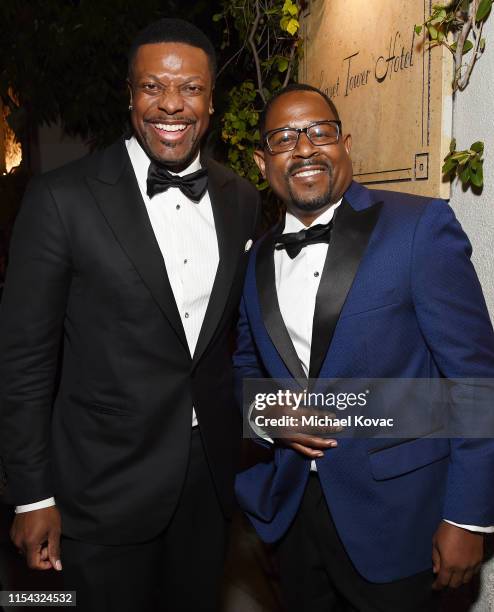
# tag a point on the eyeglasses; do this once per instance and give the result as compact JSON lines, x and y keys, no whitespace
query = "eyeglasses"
{"x":319,"y":133}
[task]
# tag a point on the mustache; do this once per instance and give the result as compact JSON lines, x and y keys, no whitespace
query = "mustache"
{"x":307,"y":163}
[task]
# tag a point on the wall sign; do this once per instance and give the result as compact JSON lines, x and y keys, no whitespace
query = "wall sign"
{"x":392,"y":91}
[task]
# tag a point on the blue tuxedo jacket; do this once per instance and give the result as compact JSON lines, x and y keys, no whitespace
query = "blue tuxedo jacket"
{"x":399,"y":298}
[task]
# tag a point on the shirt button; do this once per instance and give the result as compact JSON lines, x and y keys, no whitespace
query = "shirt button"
{"x":177,"y":206}
{"x":185,"y":261}
{"x":186,"y":315}
{"x":316,"y":274}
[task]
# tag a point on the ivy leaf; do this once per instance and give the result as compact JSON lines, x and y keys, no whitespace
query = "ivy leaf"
{"x":293,"y":10}
{"x":460,"y":156}
{"x":483,"y":10}
{"x":432,"y":32}
{"x":477,"y":177}
{"x":292,"y":27}
{"x":467,"y":46}
{"x":478,"y":147}
{"x":452,"y":146}
{"x":448,"y":166}
{"x":418,"y":30}
{"x":465,"y":175}
{"x":218,"y":17}
{"x":482,"y":44}
{"x":290,"y":8}
{"x":282,"y":64}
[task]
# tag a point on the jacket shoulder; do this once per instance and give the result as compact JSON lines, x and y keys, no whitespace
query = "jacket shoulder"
{"x":89,"y":165}
{"x":73,"y":169}
{"x":410,"y":207}
{"x":398,"y":198}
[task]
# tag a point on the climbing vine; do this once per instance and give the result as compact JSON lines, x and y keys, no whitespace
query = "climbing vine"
{"x":457,"y":26}
{"x":266,"y":33}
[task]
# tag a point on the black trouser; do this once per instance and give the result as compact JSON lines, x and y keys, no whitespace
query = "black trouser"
{"x":318,"y":576}
{"x":178,"y":571}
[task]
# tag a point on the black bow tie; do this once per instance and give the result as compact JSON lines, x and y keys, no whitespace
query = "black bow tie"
{"x":191,"y":185}
{"x":295,"y":242}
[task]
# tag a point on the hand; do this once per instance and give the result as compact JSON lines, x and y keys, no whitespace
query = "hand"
{"x":309,"y":446}
{"x":36,"y":534}
{"x":304,"y":429}
{"x":456,"y":555}
{"x":311,"y":442}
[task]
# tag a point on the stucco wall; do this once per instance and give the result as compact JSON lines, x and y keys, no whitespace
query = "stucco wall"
{"x":473,"y":119}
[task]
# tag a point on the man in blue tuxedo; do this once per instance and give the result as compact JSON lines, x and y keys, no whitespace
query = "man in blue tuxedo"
{"x":362,"y":284}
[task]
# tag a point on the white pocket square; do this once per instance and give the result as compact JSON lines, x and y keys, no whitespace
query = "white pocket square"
{"x":248,"y":244}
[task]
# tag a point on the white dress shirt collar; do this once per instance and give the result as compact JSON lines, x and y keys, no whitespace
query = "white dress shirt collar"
{"x":140,"y":161}
{"x":292,"y":224}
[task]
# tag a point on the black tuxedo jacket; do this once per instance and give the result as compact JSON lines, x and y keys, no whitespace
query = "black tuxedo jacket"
{"x":96,"y":380}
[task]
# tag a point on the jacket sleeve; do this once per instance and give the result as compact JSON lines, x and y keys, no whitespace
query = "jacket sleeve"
{"x":31,"y":322}
{"x":455,"y":323}
{"x":246,"y":362}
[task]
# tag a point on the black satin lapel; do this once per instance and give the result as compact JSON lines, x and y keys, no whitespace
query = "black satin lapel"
{"x":270,"y":308}
{"x":122,"y":205}
{"x":349,"y":238}
{"x":224,"y":202}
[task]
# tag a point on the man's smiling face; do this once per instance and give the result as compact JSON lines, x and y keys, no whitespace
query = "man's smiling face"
{"x":309,"y":178}
{"x":171,"y":87}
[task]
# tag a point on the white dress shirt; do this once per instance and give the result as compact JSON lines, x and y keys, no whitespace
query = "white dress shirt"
{"x":186,"y":235}
{"x":297,"y":282}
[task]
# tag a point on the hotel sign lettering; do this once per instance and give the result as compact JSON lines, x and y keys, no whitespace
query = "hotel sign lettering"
{"x":393,"y":92}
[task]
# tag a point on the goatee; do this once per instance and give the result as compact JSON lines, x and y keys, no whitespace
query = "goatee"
{"x":315,"y":203}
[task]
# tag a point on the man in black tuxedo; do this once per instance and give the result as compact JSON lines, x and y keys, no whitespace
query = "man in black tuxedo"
{"x":118,"y":425}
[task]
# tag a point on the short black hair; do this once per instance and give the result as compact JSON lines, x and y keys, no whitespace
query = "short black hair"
{"x":288,"y":89}
{"x":173,"y":30}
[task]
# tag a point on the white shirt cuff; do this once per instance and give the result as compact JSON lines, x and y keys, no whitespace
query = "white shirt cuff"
{"x":44,"y":503}
{"x":257,"y":430}
{"x":472,"y":527}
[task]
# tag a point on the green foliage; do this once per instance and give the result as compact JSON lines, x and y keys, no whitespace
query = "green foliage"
{"x":240,"y":132}
{"x":457,"y":25}
{"x":453,"y":23}
{"x":443,"y":20}
{"x":289,"y":22}
{"x":466,"y":165}
{"x":483,"y":10}
{"x":266,"y":48}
